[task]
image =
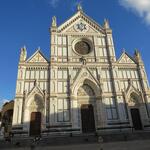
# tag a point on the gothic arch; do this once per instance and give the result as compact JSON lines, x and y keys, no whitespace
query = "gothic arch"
{"x":34,"y":103}
{"x":91,"y":84}
{"x":85,"y":90}
{"x":135,"y":109}
{"x":35,"y":93}
{"x":134,"y":99}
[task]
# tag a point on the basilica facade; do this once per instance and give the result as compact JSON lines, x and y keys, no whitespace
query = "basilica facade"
{"x":83,"y":87}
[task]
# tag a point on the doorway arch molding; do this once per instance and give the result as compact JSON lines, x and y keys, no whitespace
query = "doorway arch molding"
{"x":134,"y":97}
{"x":34,"y":102}
{"x":135,"y":108}
{"x":94,"y":85}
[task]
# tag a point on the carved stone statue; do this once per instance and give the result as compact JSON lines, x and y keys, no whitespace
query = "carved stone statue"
{"x":83,"y":60}
{"x":23,"y":54}
{"x":36,"y":82}
{"x":54,"y":22}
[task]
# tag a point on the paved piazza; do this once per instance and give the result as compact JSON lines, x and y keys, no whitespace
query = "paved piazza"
{"x":129,"y":145}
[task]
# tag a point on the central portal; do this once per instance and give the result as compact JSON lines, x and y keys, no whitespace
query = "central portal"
{"x":136,"y":119}
{"x":87,"y":116}
{"x":35,"y":124}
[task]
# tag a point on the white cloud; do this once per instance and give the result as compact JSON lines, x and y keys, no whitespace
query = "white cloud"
{"x":140,"y":7}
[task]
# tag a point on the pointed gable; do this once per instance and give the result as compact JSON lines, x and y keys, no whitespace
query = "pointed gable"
{"x":80,"y":22}
{"x":37,"y":57}
{"x":85,"y":76}
{"x":125,"y":58}
{"x":84,"y":73}
{"x":36,"y":90}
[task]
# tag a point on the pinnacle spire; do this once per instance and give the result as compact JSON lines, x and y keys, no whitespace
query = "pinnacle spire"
{"x":106,"y":24}
{"x":38,"y":48}
{"x":123,"y":50}
{"x":137,"y":55}
{"x":54,"y":21}
{"x":23,"y":54}
{"x":79,"y":7}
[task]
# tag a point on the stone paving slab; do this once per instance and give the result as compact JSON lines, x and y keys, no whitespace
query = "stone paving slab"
{"x":129,"y":145}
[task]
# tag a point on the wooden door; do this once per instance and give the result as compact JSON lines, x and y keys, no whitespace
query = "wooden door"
{"x":87,"y":116}
{"x":35,"y":124}
{"x":136,"y":119}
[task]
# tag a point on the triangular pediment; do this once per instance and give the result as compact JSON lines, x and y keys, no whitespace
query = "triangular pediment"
{"x":80,"y":23}
{"x":37,"y":57}
{"x":85,"y":72}
{"x":131,"y":89}
{"x":35,"y":90}
{"x":85,"y":75}
{"x":35,"y":99}
{"x":126,"y":59}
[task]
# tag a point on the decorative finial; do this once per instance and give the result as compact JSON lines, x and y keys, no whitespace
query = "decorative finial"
{"x":137,"y":55}
{"x":136,"y":52}
{"x":123,"y":50}
{"x":54,"y":22}
{"x":79,"y":7}
{"x":23,"y":54}
{"x":38,"y":48}
{"x":106,"y":24}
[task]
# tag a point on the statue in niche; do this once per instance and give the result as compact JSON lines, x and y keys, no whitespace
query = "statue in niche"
{"x":23,"y":54}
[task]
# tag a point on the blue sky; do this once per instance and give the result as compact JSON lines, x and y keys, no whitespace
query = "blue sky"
{"x":27,"y":22}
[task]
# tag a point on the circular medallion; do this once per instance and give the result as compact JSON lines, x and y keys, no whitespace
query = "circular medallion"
{"x":81,"y":26}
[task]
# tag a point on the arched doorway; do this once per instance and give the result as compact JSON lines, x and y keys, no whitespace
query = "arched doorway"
{"x":86,"y":98}
{"x":87,"y":116}
{"x":35,"y":124}
{"x":36,"y":109}
{"x":136,"y":119}
{"x":134,"y":104}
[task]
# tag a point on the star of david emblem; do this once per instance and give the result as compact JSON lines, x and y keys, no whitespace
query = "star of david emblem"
{"x":81,"y":26}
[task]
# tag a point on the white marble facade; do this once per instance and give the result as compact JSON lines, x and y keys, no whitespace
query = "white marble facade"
{"x":82,"y":69}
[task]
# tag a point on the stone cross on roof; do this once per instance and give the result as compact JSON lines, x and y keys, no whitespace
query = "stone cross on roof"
{"x":79,"y":7}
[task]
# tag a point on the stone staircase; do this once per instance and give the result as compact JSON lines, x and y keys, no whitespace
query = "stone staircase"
{"x":73,"y":140}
